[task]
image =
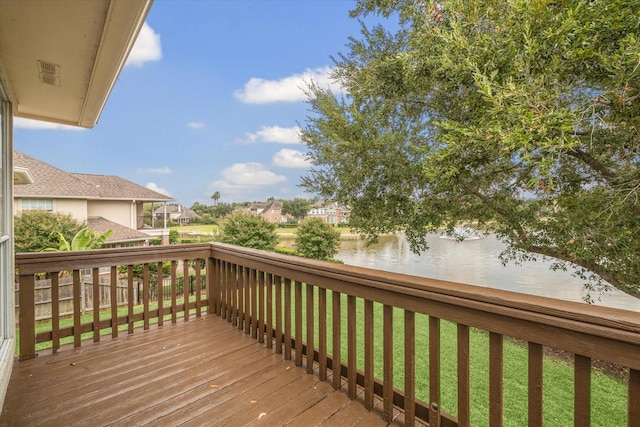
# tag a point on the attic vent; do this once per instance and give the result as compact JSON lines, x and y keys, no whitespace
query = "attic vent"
{"x":49,"y":73}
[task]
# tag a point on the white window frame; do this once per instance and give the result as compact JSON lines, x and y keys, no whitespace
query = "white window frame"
{"x":37,"y":205}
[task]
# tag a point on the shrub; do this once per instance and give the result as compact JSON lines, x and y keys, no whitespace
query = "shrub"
{"x":249,"y":231}
{"x":317,"y":239}
{"x":37,"y":230}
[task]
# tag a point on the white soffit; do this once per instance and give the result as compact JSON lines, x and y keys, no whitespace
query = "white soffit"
{"x":61,"y":58}
{"x":22,"y":176}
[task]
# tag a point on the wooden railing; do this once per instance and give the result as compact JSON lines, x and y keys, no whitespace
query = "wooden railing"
{"x":332,"y":318}
{"x":181,"y":300}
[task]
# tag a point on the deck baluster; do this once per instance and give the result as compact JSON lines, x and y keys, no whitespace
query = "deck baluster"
{"x":186,"y":285}
{"x":287,"y":319}
{"x":322,"y":332}
{"x":351,"y":347}
{"x":261,"y":287}
{"x":174,"y":285}
{"x":535,"y":384}
{"x":368,"y":354}
{"x":77,"y":307}
{"x":336,"y":366}
{"x":246,"y":299}
{"x":146,"y":284}
{"x":254,"y":302}
{"x":582,"y":390}
{"x":496,"y":390}
{"x":160,"y":286}
{"x":298,"y":321}
{"x":464,"y":419}
{"x":55,"y":310}
{"x":434,"y":371}
{"x":130,"y":298}
{"x":278,"y":326}
{"x":409,"y":368}
{"x":633,"y":402}
{"x":198,"y":285}
{"x":113,"y":296}
{"x":310,"y":329}
{"x":387,"y":393}
{"x":269,"y":332}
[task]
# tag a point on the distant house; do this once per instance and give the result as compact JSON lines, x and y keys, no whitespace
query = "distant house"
{"x":103,"y":201}
{"x":271,"y":211}
{"x":175,"y":213}
{"x":330,"y":212}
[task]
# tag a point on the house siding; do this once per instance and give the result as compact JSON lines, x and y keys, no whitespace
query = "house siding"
{"x":115,"y":211}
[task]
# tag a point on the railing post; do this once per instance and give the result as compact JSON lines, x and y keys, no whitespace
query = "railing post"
{"x":633,"y":402}
{"x":27,"y":318}
{"x":212,"y":279}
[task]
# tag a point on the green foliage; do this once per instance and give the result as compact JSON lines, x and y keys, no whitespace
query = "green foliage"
{"x":83,"y":240}
{"x":216,"y":197}
{"x":36,"y":231}
{"x":174,"y":237}
{"x":218,"y":210}
{"x":317,"y":239}
{"x":138,"y":270}
{"x":472,"y":108}
{"x":249,"y":231}
{"x":297,"y":208}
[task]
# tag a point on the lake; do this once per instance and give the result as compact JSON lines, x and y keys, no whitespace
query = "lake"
{"x":475,"y":262}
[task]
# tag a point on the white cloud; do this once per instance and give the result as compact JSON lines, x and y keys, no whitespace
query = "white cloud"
{"x":287,"y":158}
{"x":276,"y":134}
{"x":196,"y":125}
{"x":241,"y":179}
{"x":20,"y":123}
{"x":146,"y":48}
{"x":287,"y":89}
{"x":154,"y":187}
{"x":161,"y":171}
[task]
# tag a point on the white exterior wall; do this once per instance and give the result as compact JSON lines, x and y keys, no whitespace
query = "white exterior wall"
{"x":121,"y":212}
{"x":76,"y":208}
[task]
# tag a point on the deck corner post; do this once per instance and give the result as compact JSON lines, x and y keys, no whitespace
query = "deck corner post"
{"x":27,"y":317}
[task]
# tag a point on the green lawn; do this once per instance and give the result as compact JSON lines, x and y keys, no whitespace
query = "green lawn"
{"x":608,"y":404}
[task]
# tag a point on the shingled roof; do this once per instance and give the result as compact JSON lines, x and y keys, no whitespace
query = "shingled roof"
{"x":52,"y":182}
{"x":119,"y":233}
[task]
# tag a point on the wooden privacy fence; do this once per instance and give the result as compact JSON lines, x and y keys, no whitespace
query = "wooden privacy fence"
{"x":350,"y":325}
{"x":43,"y":291}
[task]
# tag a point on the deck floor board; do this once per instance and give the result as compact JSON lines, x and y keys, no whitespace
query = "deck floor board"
{"x":200,"y":372}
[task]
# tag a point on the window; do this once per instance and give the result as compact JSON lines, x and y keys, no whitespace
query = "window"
{"x":37,"y":205}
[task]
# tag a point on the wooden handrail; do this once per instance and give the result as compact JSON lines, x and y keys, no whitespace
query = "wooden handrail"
{"x":589,"y":332}
{"x":263,"y":294}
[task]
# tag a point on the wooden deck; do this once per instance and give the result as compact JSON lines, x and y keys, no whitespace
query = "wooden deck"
{"x":201,"y":372}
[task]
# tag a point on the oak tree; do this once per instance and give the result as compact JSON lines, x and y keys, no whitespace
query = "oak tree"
{"x":521,"y":115}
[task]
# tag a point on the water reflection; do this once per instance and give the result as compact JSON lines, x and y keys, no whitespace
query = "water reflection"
{"x":475,"y":262}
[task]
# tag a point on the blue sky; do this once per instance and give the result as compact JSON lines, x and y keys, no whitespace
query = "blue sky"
{"x":209,"y":100}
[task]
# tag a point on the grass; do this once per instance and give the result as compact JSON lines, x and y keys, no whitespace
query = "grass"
{"x":67,"y":321}
{"x":608,"y":404}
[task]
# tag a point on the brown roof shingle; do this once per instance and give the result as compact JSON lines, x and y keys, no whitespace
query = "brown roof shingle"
{"x":50,"y":181}
{"x":120,"y":233}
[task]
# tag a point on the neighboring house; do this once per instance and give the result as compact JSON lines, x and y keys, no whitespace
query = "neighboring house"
{"x":175,"y":213}
{"x":58,"y":63}
{"x":330,"y":212}
{"x":103,"y":201}
{"x":271,"y":210}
